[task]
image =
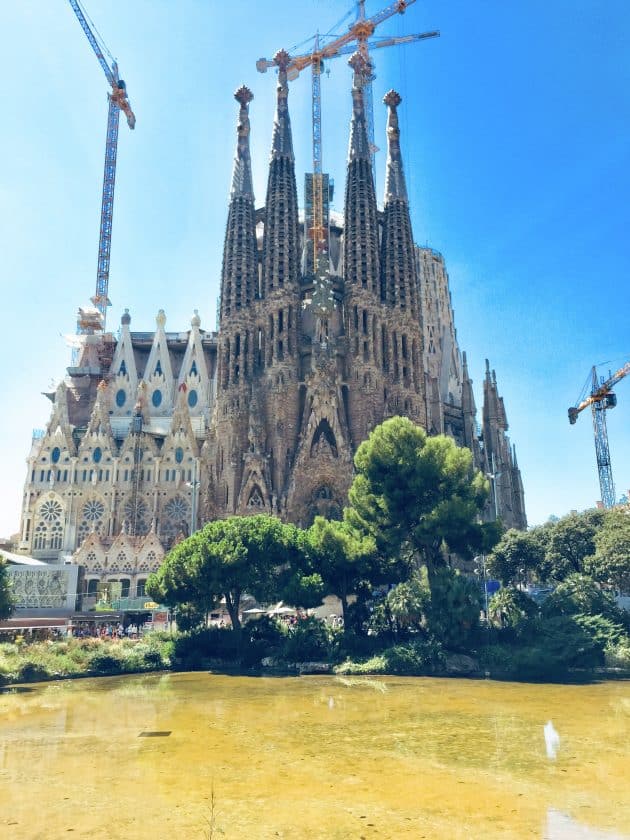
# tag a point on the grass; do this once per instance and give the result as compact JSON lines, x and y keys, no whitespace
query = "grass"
{"x":32,"y":662}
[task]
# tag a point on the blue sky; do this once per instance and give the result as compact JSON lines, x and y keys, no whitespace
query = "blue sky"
{"x":515,"y":126}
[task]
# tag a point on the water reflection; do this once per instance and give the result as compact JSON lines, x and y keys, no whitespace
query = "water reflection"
{"x":552,"y":740}
{"x":325,"y":757}
{"x":562,"y":827}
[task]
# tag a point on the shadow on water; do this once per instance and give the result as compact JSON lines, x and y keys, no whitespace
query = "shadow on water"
{"x":16,"y":689}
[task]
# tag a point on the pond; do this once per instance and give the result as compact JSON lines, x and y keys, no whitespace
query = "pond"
{"x":198,"y":755}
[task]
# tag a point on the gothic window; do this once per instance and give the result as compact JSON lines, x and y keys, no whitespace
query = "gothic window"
{"x":179,"y":455}
{"x":39,"y":537}
{"x":193,"y":369}
{"x":192,"y":398}
{"x":90,"y":560}
{"x":123,"y":370}
{"x":121,"y":397}
{"x":136,"y":515}
{"x":141,"y":588}
{"x":152,"y":560}
{"x":156,"y":399}
{"x":158,"y":368}
{"x":97,"y":455}
{"x":255,"y":499}
{"x":55,"y":454}
{"x":56,"y":535}
{"x":92,"y":588}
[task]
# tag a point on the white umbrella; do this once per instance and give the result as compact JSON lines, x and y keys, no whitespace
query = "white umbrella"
{"x":254,"y":611}
{"x":282,"y":611}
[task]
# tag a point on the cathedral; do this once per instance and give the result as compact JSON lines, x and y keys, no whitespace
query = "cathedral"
{"x":328,"y":325}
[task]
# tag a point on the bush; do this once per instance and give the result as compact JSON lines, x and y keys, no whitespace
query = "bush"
{"x":618,"y":656}
{"x":306,"y":641}
{"x":104,"y":663}
{"x":195,"y":648}
{"x":32,"y":672}
{"x":422,"y":656}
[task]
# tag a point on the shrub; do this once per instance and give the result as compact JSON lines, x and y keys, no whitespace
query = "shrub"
{"x":32,"y":672}
{"x":104,"y":663}
{"x":306,"y":641}
{"x":618,"y":656}
{"x":422,"y":656}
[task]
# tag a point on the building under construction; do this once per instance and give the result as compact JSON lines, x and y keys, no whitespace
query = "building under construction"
{"x":324,"y":331}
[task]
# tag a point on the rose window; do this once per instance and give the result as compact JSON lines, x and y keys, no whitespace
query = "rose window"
{"x":177,"y":509}
{"x":93,"y":510}
{"x":50,"y":511}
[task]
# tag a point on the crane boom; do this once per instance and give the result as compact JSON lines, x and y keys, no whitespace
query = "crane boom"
{"x":118,"y":102}
{"x":600,"y":399}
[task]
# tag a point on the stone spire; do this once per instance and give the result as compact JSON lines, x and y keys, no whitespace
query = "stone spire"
{"x":395,"y":187}
{"x":281,"y":256}
{"x":507,"y":486}
{"x":399,"y":282}
{"x":240,"y":270}
{"x":361,"y":258}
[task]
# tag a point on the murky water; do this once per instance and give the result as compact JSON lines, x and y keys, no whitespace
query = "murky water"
{"x":313,"y":757}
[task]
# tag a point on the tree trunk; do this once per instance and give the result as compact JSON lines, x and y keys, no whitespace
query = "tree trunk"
{"x":233,"y":605}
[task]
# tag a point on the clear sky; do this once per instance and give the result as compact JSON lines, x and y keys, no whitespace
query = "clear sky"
{"x":515,"y":132}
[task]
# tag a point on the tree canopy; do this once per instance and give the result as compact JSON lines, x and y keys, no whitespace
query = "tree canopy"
{"x":342,"y":557}
{"x":226,"y":558}
{"x":418,"y":490}
{"x":516,"y":553}
{"x":610,"y":562}
{"x":569,"y":542}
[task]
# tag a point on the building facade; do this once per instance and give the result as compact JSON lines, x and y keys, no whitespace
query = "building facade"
{"x":328,"y":325}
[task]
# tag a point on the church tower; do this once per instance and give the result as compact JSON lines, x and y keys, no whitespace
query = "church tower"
{"x":499,"y":459}
{"x":399,"y":285}
{"x":240,"y":287}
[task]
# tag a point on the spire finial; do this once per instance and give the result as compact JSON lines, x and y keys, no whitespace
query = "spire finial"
{"x":243,"y":96}
{"x":282,"y":59}
{"x":282,"y":143}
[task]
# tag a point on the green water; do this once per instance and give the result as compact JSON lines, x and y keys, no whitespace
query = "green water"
{"x":313,"y":757}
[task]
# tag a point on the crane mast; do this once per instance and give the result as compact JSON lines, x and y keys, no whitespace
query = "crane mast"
{"x":317,"y":185}
{"x":600,"y":399}
{"x":117,"y":102}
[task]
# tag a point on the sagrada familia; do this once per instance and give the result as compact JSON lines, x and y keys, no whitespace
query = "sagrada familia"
{"x":321,"y":337}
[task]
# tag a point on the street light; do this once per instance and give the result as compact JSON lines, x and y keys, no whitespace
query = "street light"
{"x":482,"y":561}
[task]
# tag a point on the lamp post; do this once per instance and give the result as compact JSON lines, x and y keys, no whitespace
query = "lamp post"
{"x":481,"y":559}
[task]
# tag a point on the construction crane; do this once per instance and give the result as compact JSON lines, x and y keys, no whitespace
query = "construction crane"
{"x":118,"y":101}
{"x":600,"y":399}
{"x":357,"y":38}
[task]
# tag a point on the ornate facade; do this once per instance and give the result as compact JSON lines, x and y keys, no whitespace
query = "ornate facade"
{"x":322,"y":336}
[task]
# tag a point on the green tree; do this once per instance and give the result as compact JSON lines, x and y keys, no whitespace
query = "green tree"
{"x":515,"y":551}
{"x":580,"y":594}
{"x":570,"y":541}
{"x":7,"y":602}
{"x":418,"y":491}
{"x":342,"y":556}
{"x":226,"y":558}
{"x":408,"y":601}
{"x":512,"y":606}
{"x":610,"y":562}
